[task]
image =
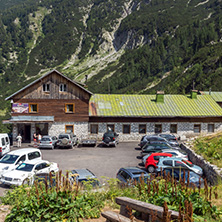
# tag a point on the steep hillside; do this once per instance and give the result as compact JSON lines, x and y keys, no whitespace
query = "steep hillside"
{"x":123,"y":46}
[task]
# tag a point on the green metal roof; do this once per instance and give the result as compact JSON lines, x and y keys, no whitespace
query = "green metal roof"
{"x":146,"y":106}
{"x":217,"y":96}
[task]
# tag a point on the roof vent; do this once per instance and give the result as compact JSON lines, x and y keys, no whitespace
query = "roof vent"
{"x":194,"y":94}
{"x":160,"y":96}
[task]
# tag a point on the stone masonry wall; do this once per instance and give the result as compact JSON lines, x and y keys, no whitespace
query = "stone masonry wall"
{"x":80,"y":128}
{"x":211,"y":172}
{"x":183,"y":129}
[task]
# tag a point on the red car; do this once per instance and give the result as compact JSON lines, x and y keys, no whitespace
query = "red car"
{"x":153,"y":159}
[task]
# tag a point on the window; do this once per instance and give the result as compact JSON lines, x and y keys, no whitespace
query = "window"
{"x":126,"y":129}
{"x":179,"y":164}
{"x":173,"y":128}
{"x":167,"y":163}
{"x":33,"y":155}
{"x":210,"y":128}
{"x":111,"y":127}
{"x":38,"y":167}
{"x":33,"y":108}
{"x":142,"y":128}
{"x":7,"y":140}
{"x":62,"y":87}
{"x":156,"y":158}
{"x":3,"y":141}
{"x":69,"y":108}
{"x":21,"y":159}
{"x":158,"y":128}
{"x":94,"y":128}
{"x":69,"y":128}
{"x":196,"y":128}
{"x":45,"y":87}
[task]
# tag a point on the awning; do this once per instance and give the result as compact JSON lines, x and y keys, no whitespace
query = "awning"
{"x":29,"y":119}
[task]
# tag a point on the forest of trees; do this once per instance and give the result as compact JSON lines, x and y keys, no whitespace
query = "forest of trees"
{"x":181,"y":40}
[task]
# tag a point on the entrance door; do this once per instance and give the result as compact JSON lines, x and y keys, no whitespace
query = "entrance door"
{"x":27,"y":134}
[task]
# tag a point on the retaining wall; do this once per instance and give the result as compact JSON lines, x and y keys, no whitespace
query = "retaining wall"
{"x":211,"y":172}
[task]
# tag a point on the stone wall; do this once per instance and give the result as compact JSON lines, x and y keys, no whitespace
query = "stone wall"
{"x":183,"y":129}
{"x":80,"y":128}
{"x":211,"y":172}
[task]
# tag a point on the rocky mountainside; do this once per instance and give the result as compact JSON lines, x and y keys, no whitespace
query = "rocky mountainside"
{"x":118,"y":46}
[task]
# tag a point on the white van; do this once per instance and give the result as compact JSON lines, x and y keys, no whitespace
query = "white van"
{"x":4,"y":144}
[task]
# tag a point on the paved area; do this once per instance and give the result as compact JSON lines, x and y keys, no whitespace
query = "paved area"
{"x":102,"y":161}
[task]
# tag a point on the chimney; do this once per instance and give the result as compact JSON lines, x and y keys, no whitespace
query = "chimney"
{"x":194,"y":94}
{"x":160,"y":96}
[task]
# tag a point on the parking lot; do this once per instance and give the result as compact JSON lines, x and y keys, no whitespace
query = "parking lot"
{"x":102,"y":161}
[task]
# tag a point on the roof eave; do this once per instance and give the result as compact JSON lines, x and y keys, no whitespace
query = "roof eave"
{"x":35,"y":81}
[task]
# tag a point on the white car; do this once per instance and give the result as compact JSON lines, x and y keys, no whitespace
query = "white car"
{"x":176,"y":153}
{"x":25,"y":172}
{"x":14,"y":158}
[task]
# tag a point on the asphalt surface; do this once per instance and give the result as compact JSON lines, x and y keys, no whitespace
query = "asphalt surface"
{"x":102,"y":161}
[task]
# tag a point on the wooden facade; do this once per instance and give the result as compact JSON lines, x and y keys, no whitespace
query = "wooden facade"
{"x":56,"y":108}
{"x":52,"y":101}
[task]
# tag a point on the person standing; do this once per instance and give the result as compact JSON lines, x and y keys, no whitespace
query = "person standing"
{"x":19,"y":140}
{"x":39,"y":137}
{"x":34,"y":137}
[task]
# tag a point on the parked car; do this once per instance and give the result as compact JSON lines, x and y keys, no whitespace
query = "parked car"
{"x":152,"y":148}
{"x":4,"y":144}
{"x":178,"y":163}
{"x":83,"y":176}
{"x":172,"y":139}
{"x":25,"y":172}
{"x":178,"y":174}
{"x":14,"y":158}
{"x":176,"y":153}
{"x":149,"y":139}
{"x":110,"y":139}
{"x":45,"y":178}
{"x":127,"y":175}
{"x":153,"y":159}
{"x":67,"y":140}
{"x":48,"y":142}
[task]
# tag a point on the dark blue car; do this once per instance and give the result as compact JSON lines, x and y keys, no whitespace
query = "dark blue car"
{"x":129,"y":175}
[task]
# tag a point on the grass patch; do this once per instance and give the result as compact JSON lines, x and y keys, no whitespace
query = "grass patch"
{"x":210,"y":147}
{"x":68,"y":202}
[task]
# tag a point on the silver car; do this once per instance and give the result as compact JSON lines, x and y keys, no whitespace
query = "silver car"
{"x":48,"y":142}
{"x":174,"y":162}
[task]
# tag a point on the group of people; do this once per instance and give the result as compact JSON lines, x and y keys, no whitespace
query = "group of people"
{"x":36,"y":138}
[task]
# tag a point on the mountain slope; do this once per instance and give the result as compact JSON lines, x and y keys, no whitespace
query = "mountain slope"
{"x":123,"y":46}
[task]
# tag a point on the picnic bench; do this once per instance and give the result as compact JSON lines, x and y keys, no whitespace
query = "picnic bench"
{"x":146,"y":209}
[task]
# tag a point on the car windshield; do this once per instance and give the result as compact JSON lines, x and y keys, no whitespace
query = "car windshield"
{"x":25,"y":167}
{"x":109,"y":134}
{"x":45,"y":139}
{"x":9,"y":159}
{"x":63,"y":136}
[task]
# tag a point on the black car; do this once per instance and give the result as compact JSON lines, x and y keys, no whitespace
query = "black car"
{"x":153,"y":148}
{"x":110,"y":139}
{"x":172,"y":139}
{"x":151,"y":139}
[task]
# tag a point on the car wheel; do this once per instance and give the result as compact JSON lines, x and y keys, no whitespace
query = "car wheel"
{"x":26,"y":182}
{"x":150,"y":169}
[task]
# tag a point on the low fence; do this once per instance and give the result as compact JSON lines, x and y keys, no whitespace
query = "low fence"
{"x":211,"y":172}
